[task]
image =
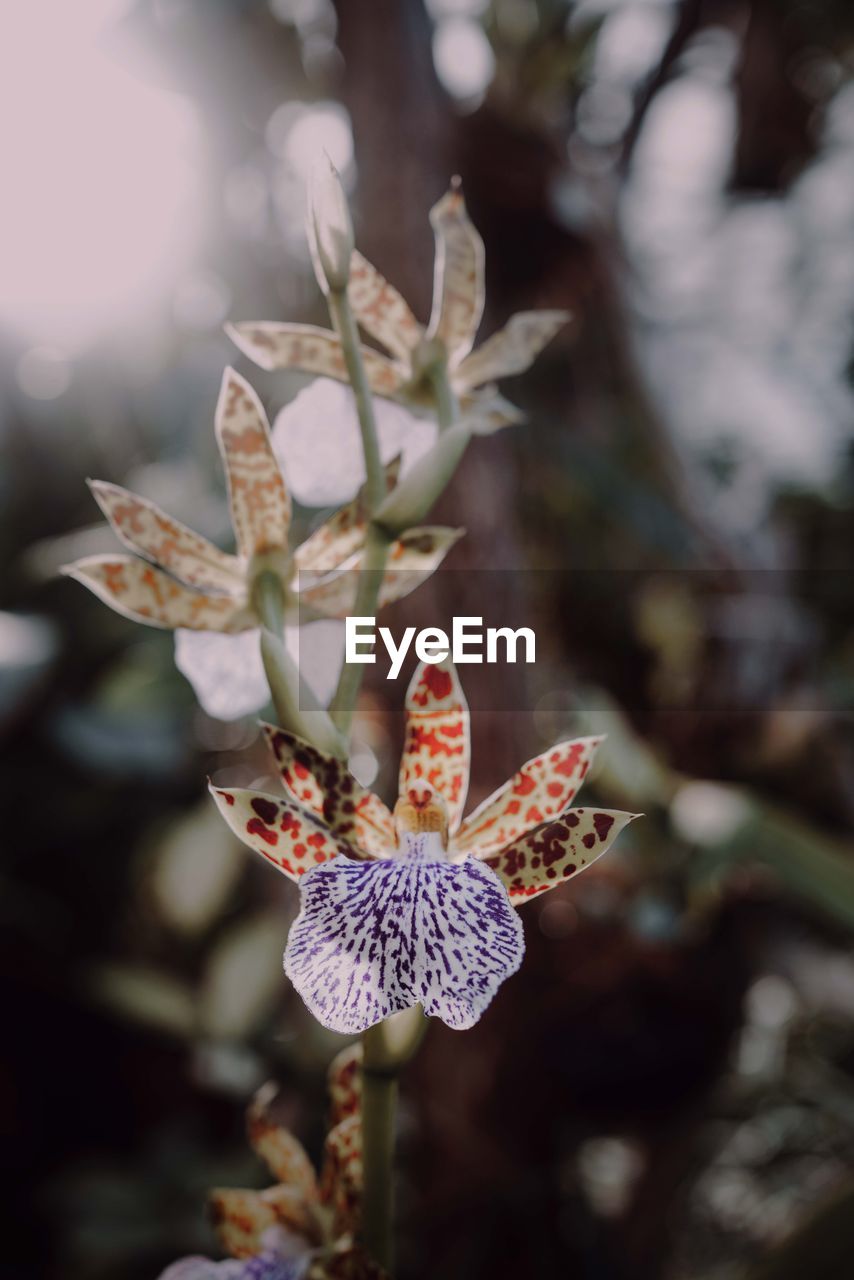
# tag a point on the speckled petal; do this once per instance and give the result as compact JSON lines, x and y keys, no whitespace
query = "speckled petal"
{"x":343,"y":534}
{"x":542,"y":789}
{"x":260,"y":505}
{"x":412,"y":558}
{"x":284,"y":833}
{"x":437,"y":747}
{"x":343,"y":1174}
{"x":374,"y":938}
{"x":344,"y":1079}
{"x":381,"y":310}
{"x":304,"y":346}
{"x":458,"y":289}
{"x":144,"y":528}
{"x":147,"y":594}
{"x":242,"y":1218}
{"x":557,"y":850}
{"x":486,"y":411}
{"x":325,"y":785}
{"x":512,"y":349}
{"x":283,"y":1154}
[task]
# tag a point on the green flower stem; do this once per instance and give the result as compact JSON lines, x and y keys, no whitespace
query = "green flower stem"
{"x":371,"y":572}
{"x":377,"y":540}
{"x":447,"y":405}
{"x":387,"y":1048}
{"x":345,"y":324}
{"x":290,"y":695}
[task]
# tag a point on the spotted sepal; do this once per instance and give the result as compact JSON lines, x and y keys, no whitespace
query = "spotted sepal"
{"x":260,"y":504}
{"x":381,"y":310}
{"x":303,"y":346}
{"x":283,"y":1154}
{"x":458,"y":286}
{"x":542,"y":789}
{"x":557,"y":850}
{"x":286,"y":834}
{"x":343,"y":534}
{"x":150,"y":532}
{"x":344,"y":1080}
{"x":324,"y":784}
{"x":342,"y":1179}
{"x":412,"y":558}
{"x":241,"y":1217}
{"x":144,"y":593}
{"x":437,"y":746}
{"x":512,"y":349}
{"x":374,"y":938}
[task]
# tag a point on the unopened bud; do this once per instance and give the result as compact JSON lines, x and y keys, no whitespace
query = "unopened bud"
{"x":330,"y":229}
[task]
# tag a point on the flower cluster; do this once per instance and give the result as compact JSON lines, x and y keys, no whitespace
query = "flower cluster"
{"x":179,"y":580}
{"x":416,"y":906}
{"x":403,"y":374}
{"x":303,"y":1227}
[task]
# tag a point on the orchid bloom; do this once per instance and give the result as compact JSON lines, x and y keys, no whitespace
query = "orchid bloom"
{"x":403,"y":374}
{"x":182,"y":581}
{"x":302,"y":1226}
{"x":416,"y":907}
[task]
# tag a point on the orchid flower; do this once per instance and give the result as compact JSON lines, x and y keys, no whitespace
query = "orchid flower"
{"x":303,"y":1225}
{"x":179,"y":580}
{"x":403,"y":374}
{"x":416,"y":907}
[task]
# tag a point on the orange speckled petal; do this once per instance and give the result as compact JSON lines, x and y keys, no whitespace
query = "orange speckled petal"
{"x":343,"y":1175}
{"x":557,"y":850}
{"x":458,"y":288}
{"x":240,"y":1218}
{"x":542,"y":789}
{"x":512,"y":349}
{"x":437,"y":747}
{"x":313,"y":350}
{"x":323,"y":784}
{"x":289,"y":836}
{"x":147,"y":594}
{"x":381,"y":310}
{"x":260,"y":505}
{"x":345,"y":1084}
{"x":412,"y":558}
{"x":144,"y":528}
{"x":283,"y":1154}
{"x":343,"y":534}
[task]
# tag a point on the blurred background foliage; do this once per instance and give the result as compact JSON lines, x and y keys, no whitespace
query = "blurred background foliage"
{"x":667,"y":1089}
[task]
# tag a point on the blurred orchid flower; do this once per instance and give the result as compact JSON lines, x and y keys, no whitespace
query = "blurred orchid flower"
{"x":403,"y":374}
{"x":183,"y":582}
{"x":415,"y":907}
{"x":303,"y":1225}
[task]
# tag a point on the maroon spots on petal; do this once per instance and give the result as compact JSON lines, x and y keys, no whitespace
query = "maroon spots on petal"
{"x":266,"y":809}
{"x":571,"y":819}
{"x":602,"y":824}
{"x":227,"y":796}
{"x":589,"y":840}
{"x":256,"y":827}
{"x":569,"y":869}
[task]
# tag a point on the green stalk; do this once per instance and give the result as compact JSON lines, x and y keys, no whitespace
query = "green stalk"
{"x":387,"y":1047}
{"x":447,"y":405}
{"x":287,"y":689}
{"x":371,"y":573}
{"x":345,"y":324}
{"x":377,"y":541}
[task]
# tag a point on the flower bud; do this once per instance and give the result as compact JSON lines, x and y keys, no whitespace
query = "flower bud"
{"x":330,"y":229}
